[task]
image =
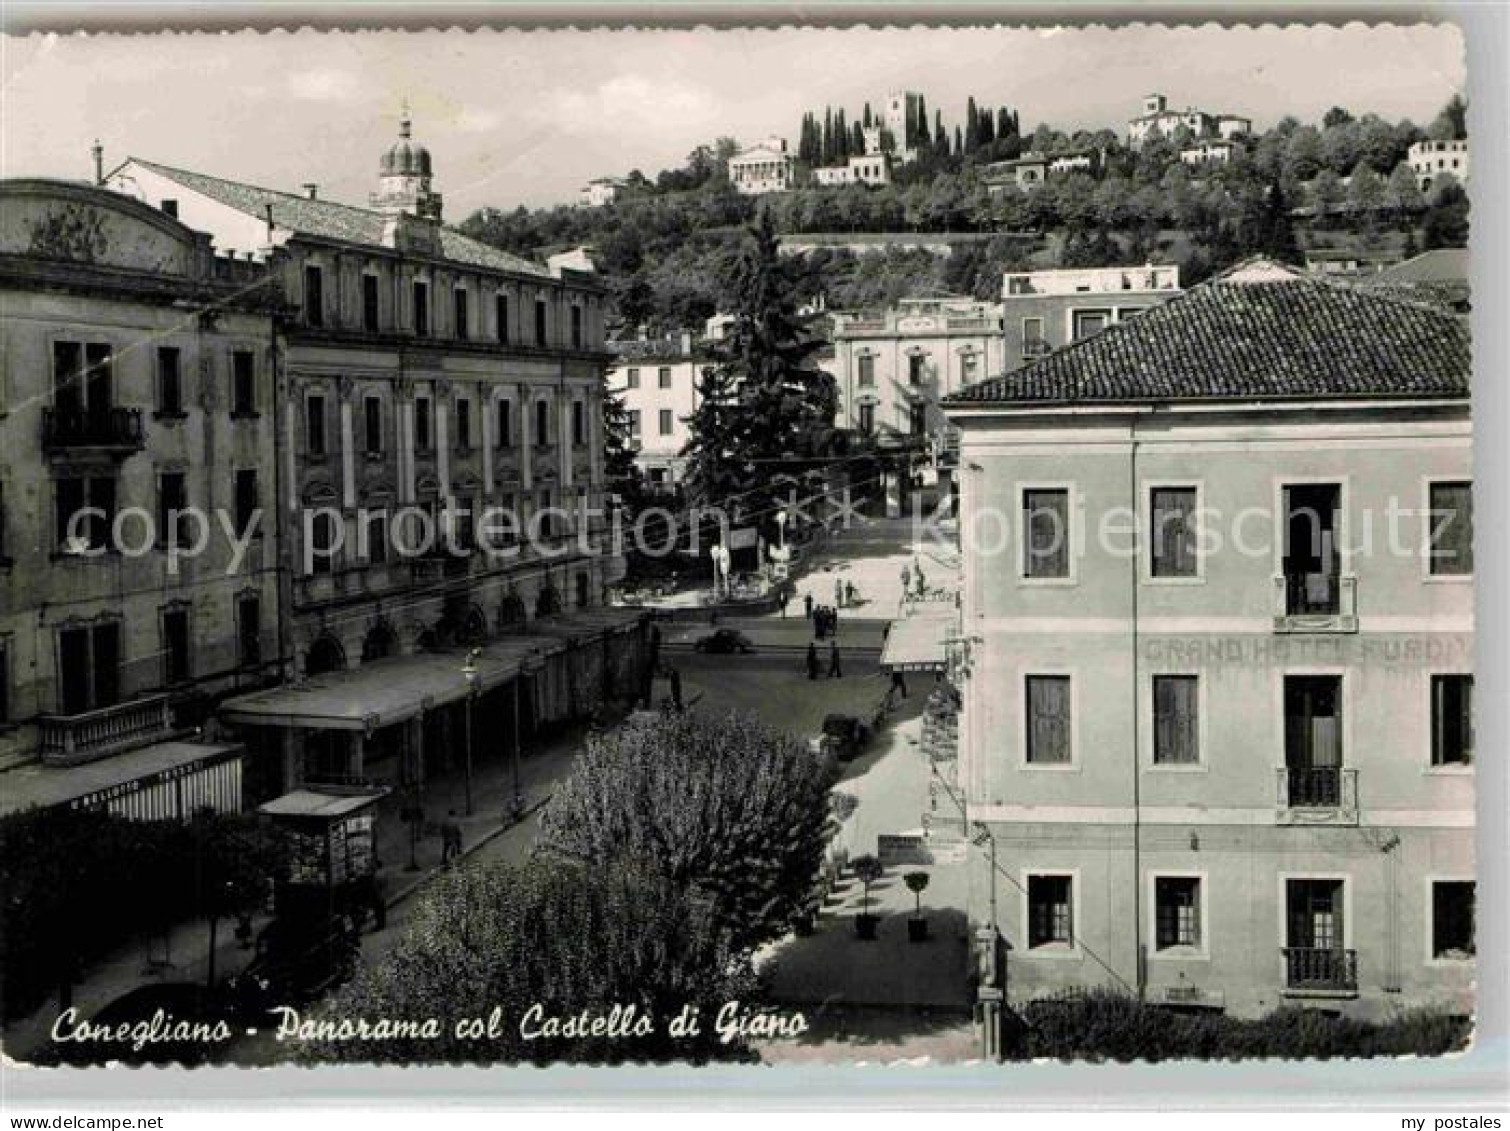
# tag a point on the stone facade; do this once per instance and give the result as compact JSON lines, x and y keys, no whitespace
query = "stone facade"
{"x":103,"y":651}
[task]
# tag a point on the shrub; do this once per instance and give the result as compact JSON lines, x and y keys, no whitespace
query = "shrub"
{"x":727,"y":808}
{"x":1107,"y":1025}
{"x":563,"y":936}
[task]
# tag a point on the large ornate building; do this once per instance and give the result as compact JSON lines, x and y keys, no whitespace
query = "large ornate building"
{"x":137,"y":556}
{"x":439,"y":476}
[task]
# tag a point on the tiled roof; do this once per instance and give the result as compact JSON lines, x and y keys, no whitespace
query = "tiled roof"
{"x":327,"y":219}
{"x":1260,"y":332}
{"x":1441,"y":265}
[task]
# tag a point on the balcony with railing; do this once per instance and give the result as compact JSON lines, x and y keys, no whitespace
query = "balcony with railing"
{"x":113,"y":430}
{"x":1320,"y":971}
{"x":1315,"y":602}
{"x":67,"y":740}
{"x":1323,"y":795}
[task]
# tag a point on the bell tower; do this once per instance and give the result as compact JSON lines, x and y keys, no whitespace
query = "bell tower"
{"x":404,"y":176}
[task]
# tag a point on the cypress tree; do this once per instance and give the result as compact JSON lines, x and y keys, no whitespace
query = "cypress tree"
{"x":919,"y":136}
{"x":972,"y":127}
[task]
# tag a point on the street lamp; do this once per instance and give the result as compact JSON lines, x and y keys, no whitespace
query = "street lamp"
{"x":469,"y":672}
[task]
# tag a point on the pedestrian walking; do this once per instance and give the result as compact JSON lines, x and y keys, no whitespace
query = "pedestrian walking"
{"x":922,"y":582}
{"x":833,"y":622}
{"x":906,"y":579}
{"x":807,"y":605}
{"x":812,"y":660}
{"x":898,"y":683}
{"x":838,"y":594}
{"x":784,"y":596}
{"x":834,"y":671}
{"x":450,"y":839}
{"x":849,"y":593}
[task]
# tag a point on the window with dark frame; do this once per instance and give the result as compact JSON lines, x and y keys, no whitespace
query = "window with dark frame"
{"x":423,"y":439}
{"x":463,"y":425}
{"x":1452,"y":720}
{"x":372,"y":425}
{"x":314,"y":295}
{"x":1176,"y":720}
{"x":542,"y":423}
{"x":1051,"y":913}
{"x":1046,"y":530}
{"x":578,"y":422}
{"x":322,"y":541}
{"x":634,"y":423}
{"x":576,"y":327}
{"x":1177,"y":912}
{"x":172,"y":502}
{"x":1172,"y":532}
{"x":1452,"y":919}
{"x":89,"y":667}
{"x":75,"y":493}
{"x":463,"y":330}
{"x":505,"y":422}
{"x":663,"y":377}
{"x":370,"y":322}
{"x":249,"y":631}
{"x":867,"y":371}
{"x":176,"y":663}
{"x":377,"y":538}
{"x":666,"y":422}
{"x":170,"y":400}
{"x":867,"y":418}
{"x":1048,"y":719}
{"x":247,"y":500}
{"x":314,"y":425}
{"x":501,"y":315}
{"x":420,"y":293}
{"x":917,"y":369}
{"x":632,"y":379}
{"x":243,"y":383}
{"x":541,"y":322}
{"x":1450,"y":552}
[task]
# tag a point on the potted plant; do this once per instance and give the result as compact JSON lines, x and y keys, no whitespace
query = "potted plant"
{"x":917,"y":922}
{"x":868,"y":870}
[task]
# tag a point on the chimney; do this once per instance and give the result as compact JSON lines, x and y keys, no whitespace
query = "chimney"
{"x":311,"y":190}
{"x":99,"y":161}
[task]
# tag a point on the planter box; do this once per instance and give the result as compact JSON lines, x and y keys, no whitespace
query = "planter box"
{"x":917,"y":929}
{"x":865,"y":926}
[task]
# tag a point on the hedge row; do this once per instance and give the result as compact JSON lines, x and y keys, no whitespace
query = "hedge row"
{"x":1105,"y":1025}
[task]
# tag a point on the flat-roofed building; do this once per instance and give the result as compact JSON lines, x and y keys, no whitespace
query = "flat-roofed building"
{"x":1043,"y":310}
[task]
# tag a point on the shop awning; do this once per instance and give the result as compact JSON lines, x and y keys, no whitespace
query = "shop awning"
{"x":38,"y":784}
{"x":382,"y":692}
{"x":314,"y":803}
{"x":916,"y":642}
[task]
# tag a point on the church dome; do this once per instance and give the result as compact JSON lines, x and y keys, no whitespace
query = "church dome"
{"x":405,"y":158}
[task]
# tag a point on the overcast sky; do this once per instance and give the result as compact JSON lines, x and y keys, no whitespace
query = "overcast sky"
{"x":527,"y":117}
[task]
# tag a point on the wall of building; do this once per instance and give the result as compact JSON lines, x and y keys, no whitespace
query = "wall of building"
{"x":1111,"y":629}
{"x":660,"y":451}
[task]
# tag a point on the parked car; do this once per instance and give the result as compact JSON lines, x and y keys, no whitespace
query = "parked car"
{"x":725,"y":641}
{"x":297,"y":960}
{"x":843,"y":737}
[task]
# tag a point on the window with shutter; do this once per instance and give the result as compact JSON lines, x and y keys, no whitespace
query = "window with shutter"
{"x":1172,"y":531}
{"x":1177,"y":912}
{"x":1452,"y":720}
{"x":1046,"y":532}
{"x":1050,"y":911}
{"x":1175,"y":720}
{"x":1451,"y":540}
{"x":1048,"y":719}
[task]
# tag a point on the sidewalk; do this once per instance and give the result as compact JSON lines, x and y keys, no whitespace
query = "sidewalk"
{"x":189,"y":961}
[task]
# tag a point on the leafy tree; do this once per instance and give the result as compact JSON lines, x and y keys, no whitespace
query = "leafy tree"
{"x":717,"y":466}
{"x":1365,"y":192}
{"x":557,"y":937}
{"x":1446,"y":221}
{"x":725,"y":808}
{"x":1452,"y":123}
{"x":1402,"y":195}
{"x":1336,"y":116}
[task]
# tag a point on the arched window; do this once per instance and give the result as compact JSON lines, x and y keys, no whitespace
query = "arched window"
{"x":324,"y":655}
